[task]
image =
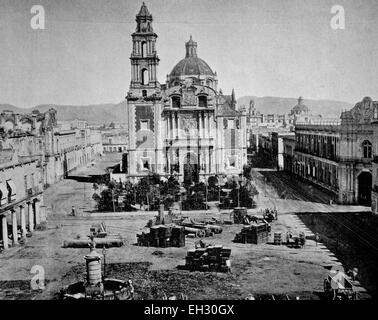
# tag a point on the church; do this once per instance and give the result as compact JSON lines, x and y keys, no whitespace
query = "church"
{"x":186,"y":126}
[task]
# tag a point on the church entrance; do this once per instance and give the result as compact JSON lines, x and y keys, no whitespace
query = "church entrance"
{"x":191,"y":173}
{"x":364,"y":188}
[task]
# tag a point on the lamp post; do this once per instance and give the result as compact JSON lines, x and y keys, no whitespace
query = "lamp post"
{"x":113,"y":200}
{"x":206,"y":192}
{"x":104,"y":254}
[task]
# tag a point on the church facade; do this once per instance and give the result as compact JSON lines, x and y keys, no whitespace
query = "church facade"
{"x":186,"y":126}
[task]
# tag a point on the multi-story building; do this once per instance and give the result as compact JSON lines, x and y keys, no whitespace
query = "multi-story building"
{"x":59,"y":149}
{"x":114,"y":140}
{"x":33,"y":154}
{"x":277,"y":141}
{"x":21,"y":187}
{"x":374,"y":194}
{"x":186,"y":126}
{"x":338,"y":154}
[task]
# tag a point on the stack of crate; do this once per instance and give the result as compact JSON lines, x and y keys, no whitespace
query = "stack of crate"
{"x":256,"y":233}
{"x":163,"y":236}
{"x":212,"y":258}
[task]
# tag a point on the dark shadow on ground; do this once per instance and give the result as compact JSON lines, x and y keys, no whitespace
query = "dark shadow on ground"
{"x":155,"y":284}
{"x":293,"y":188}
{"x":353,"y":239}
{"x":87,"y":179}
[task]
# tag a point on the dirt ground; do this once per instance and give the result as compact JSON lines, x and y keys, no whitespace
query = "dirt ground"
{"x":261,"y":270}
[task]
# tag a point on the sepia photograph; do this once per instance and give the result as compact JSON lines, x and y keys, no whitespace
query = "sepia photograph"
{"x":209,"y":151}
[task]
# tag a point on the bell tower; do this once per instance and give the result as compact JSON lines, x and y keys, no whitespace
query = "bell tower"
{"x":144,"y":105}
{"x":144,"y":58}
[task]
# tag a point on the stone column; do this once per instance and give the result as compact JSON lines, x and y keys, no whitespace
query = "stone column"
{"x":14,"y":227}
{"x":201,"y":125}
{"x":23,"y":221}
{"x":178,"y":126}
{"x":206,"y":125}
{"x":30,"y":216}
{"x":171,"y":128}
{"x":37,"y":213}
{"x":4,"y":230}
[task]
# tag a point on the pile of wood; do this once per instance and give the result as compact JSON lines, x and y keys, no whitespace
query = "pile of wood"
{"x":200,"y":229}
{"x":107,"y":242}
{"x":162,"y":236}
{"x":255,"y":233}
{"x":100,"y":236}
{"x":211,"y":258}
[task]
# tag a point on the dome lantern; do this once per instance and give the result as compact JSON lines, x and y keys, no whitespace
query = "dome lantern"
{"x":191,"y":48}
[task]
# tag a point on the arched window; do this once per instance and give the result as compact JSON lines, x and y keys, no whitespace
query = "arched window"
{"x":144,"y":49}
{"x":144,"y":77}
{"x":202,"y":101}
{"x":176,"y":102}
{"x":367,"y":149}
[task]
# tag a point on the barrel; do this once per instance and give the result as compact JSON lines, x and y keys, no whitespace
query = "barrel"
{"x":93,"y":261}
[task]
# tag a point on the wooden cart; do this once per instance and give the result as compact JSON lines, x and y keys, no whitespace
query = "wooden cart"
{"x":337,"y":286}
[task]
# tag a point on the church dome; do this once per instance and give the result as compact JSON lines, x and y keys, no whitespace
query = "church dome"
{"x":300,"y":108}
{"x":191,"y":65}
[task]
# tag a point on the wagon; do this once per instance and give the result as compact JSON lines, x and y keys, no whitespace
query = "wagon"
{"x":337,"y":286}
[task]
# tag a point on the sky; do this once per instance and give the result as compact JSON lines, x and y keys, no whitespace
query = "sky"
{"x":284,"y":48}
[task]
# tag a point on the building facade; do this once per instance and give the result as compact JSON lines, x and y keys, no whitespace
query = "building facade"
{"x":114,"y":140}
{"x":185,"y":126}
{"x":21,"y":189}
{"x":338,"y":155}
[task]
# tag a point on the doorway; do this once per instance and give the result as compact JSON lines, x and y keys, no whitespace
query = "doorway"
{"x":364,"y":188}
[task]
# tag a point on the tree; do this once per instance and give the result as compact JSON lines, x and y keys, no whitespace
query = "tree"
{"x":247,"y":172}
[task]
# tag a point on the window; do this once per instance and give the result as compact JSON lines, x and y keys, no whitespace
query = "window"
{"x":376,"y":112}
{"x":202,"y":101}
{"x":232,"y":161}
{"x":26,"y":183}
{"x":11,"y":190}
{"x":144,"y":49}
{"x":176,"y":102}
{"x":144,"y":93}
{"x":145,"y":163}
{"x":144,"y":124}
{"x":367,"y":149}
{"x":230,"y":124}
{"x":3,"y":194}
{"x":144,"y":77}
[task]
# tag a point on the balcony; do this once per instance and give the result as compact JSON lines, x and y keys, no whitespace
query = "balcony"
{"x":192,"y":142}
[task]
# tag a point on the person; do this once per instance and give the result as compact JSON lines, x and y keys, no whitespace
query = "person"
{"x":131,"y":288}
{"x":73,"y":211}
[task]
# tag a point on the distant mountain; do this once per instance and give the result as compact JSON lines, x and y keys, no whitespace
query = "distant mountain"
{"x":11,"y":107}
{"x":101,"y":113}
{"x":106,"y":113}
{"x":277,"y":105}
